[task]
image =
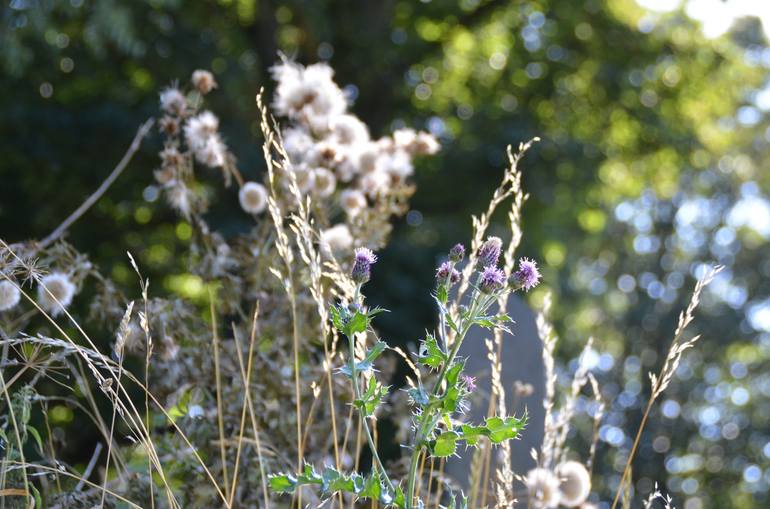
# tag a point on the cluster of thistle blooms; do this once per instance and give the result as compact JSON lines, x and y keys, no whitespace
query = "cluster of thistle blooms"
{"x":435,"y":429}
{"x":334,"y":158}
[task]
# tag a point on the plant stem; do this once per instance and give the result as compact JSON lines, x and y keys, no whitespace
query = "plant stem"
{"x":357,"y":396}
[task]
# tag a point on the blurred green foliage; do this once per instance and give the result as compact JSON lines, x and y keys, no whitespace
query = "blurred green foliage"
{"x":651,"y":163}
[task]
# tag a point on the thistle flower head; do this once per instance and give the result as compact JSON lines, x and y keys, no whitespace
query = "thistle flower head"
{"x":203,"y":81}
{"x":446,"y":273}
{"x":457,"y":253}
{"x":469,"y":381}
{"x":362,"y":267}
{"x":543,"y":488}
{"x":253,"y":197}
{"x":492,"y":279}
{"x":527,"y":277}
{"x":489,"y":252}
{"x":575,"y":483}
{"x":55,"y":292}
{"x":9,"y":295}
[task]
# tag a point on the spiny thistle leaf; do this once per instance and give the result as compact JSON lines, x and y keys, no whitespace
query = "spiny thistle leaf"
{"x":431,"y":353}
{"x":445,"y":444}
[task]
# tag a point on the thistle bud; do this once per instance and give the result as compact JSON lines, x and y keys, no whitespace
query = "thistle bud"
{"x":457,"y":253}
{"x":492,"y":279}
{"x":490,"y":252}
{"x":527,"y":277}
{"x":447,"y":274}
{"x":362,"y":267}
{"x":575,"y":483}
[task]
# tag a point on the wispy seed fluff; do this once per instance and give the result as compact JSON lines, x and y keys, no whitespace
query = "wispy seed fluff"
{"x":543,"y":488}
{"x":352,"y":202}
{"x":253,"y":197}
{"x":203,"y":81}
{"x":9,"y":295}
{"x":336,"y":239}
{"x":172,"y":101}
{"x":59,"y":288}
{"x":575,"y":483}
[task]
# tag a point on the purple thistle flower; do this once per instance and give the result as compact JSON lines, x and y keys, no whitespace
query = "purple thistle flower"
{"x":362,"y":267}
{"x":457,"y":253}
{"x":528,"y":276}
{"x":492,"y":279}
{"x":490,"y":252}
{"x":446,"y":273}
{"x":470,"y":382}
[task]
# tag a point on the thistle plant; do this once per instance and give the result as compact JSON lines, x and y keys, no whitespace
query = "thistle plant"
{"x":437,"y":430}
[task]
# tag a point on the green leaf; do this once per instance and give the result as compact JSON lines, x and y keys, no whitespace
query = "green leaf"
{"x":372,"y":398}
{"x":442,"y":295}
{"x":357,"y":323}
{"x":283,"y":483}
{"x":445,"y":444}
{"x":451,"y":399}
{"x":418,"y":395}
{"x":32,"y":431}
{"x":504,"y":429}
{"x":337,"y":318}
{"x":496,"y":428}
{"x":431,"y":354}
{"x":454,"y":373}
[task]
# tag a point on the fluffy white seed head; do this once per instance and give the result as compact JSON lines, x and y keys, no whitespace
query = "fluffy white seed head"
{"x":375,"y":183}
{"x":352,"y":202}
{"x":59,"y":288}
{"x":349,"y":130}
{"x":336,"y":239}
{"x":212,"y":153}
{"x":200,"y":128}
{"x":172,"y":101}
{"x":253,"y":197}
{"x":575,"y":483}
{"x":203,"y":81}
{"x":308,"y":93}
{"x":9,"y":295}
{"x":543,"y":488}
{"x":324,"y":182}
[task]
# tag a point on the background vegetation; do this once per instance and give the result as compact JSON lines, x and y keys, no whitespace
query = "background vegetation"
{"x":655,"y":144}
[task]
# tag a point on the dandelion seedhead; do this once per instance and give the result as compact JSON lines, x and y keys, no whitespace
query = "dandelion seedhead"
{"x":253,"y":197}
{"x":542,"y":488}
{"x":55,"y":292}
{"x":574,"y":483}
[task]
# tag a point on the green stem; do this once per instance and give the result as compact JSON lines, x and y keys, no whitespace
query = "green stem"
{"x":357,"y":396}
{"x":428,"y":420}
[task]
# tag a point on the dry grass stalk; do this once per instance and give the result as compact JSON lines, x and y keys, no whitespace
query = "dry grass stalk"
{"x":660,"y":381}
